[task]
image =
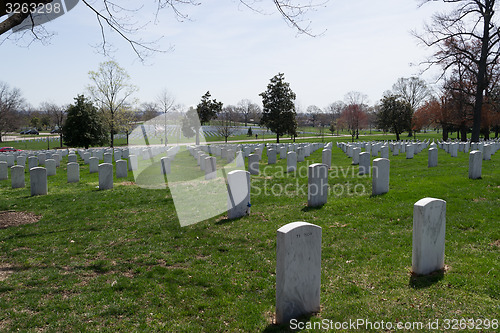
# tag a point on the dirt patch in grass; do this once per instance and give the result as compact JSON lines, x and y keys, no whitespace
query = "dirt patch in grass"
{"x":496,"y":243}
{"x":127,"y":183}
{"x":14,"y":219}
{"x":5,"y":271}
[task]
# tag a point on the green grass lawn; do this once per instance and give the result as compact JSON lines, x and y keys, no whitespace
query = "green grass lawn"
{"x":118,"y":260}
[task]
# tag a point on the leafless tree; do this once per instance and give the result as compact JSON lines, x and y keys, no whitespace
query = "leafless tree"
{"x":313,"y":113}
{"x":471,"y":24}
{"x":225,"y":121}
{"x":248,"y":109}
{"x":111,"y":90}
{"x":10,"y":102}
{"x":334,"y":110}
{"x":57,"y":114}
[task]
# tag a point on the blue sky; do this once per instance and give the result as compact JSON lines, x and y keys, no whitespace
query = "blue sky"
{"x":232,"y":52}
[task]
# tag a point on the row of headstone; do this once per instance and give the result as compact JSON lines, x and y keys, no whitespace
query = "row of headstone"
{"x":238,"y":181}
{"x":298,"y":258}
{"x":487,"y":148}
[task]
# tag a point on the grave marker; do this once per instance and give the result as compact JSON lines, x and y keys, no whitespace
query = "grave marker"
{"x":298,"y":271}
{"x":17,"y":176}
{"x":38,"y":181}
{"x":432,"y":158}
{"x":73,"y":172}
{"x":4,"y":170}
{"x":380,"y":174}
{"x":475,"y":164}
{"x":105,"y":176}
{"x":121,"y":169}
{"x":429,"y":227}
{"x":317,"y":185}
{"x":238,"y":200}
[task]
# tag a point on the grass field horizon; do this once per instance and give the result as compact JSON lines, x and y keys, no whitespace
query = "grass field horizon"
{"x":117,"y":260}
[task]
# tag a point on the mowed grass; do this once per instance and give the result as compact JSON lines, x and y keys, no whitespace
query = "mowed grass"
{"x":118,"y":260}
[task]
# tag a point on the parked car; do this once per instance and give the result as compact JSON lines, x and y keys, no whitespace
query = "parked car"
{"x":55,"y":130}
{"x":4,"y":149}
{"x":29,"y":131}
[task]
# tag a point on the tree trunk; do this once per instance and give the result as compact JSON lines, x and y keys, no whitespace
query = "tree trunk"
{"x":277,"y":138}
{"x":463,"y":133}
{"x":445,"y":133}
{"x":60,"y":138}
{"x":481,"y":73}
{"x":486,"y":133}
{"x":397,"y":136}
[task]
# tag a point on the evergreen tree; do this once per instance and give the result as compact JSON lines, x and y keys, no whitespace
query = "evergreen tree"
{"x":279,"y":109}
{"x":395,"y":115}
{"x":84,"y":125}
{"x":208,"y":109}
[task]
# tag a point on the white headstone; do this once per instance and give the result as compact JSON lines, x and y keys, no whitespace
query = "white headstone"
{"x":355,"y":155}
{"x":50,"y":165}
{"x":432,"y":158}
{"x":17,"y":176}
{"x":165,"y":165}
{"x":475,"y":164}
{"x":32,"y":162}
{"x":453,"y":148}
{"x":21,"y":160}
{"x":4,"y":170}
{"x":72,"y":158}
{"x":108,"y":158}
{"x":291,"y":161}
{"x":238,"y":200}
{"x":41,"y":158}
{"x":487,"y":152}
{"x":326,"y":157}
{"x":283,"y":152}
{"x":380,"y":174}
{"x":86,"y":157}
{"x":301,"y":154}
{"x":253,"y":164}
{"x":384,"y":152}
{"x":364,"y":163}
{"x":38,"y":181}
{"x":105,"y":176}
{"x":298,"y":271}
{"x":271,"y":156}
{"x":73,"y":173}
{"x":317,"y":185}
{"x":132,"y":163}
{"x":409,"y":151}
{"x":121,"y":169}
{"x":93,"y":164}
{"x":10,"y":160}
{"x":429,"y":227}
{"x":210,"y":167}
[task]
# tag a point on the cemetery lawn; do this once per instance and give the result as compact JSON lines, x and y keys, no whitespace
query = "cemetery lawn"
{"x":118,"y":260}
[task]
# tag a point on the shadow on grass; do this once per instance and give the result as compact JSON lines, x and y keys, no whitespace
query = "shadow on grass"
{"x":311,"y":209}
{"x":425,"y":281}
